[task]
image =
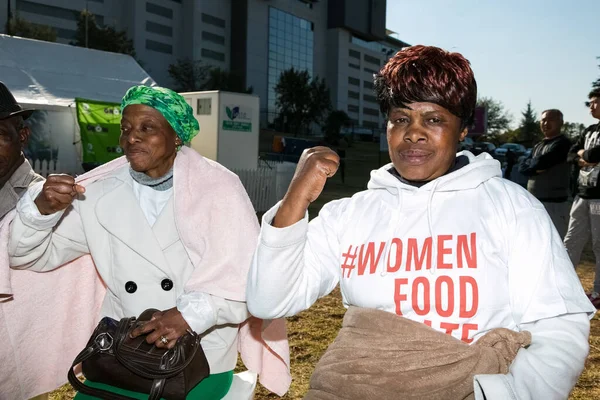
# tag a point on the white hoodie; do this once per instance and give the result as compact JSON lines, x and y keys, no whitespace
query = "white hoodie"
{"x":464,"y":253}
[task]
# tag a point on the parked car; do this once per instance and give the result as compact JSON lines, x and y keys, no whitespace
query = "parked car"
{"x":466,"y":144}
{"x":483,"y":147}
{"x":516,"y":148}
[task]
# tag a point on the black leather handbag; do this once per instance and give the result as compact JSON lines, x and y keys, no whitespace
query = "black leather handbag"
{"x":112,"y":357}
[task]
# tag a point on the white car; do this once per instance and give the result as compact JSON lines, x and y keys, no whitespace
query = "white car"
{"x":517,"y":149}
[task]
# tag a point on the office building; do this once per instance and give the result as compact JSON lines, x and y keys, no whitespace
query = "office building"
{"x":343,"y":41}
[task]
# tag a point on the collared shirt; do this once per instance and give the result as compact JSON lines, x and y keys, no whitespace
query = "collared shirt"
{"x":16,"y":186}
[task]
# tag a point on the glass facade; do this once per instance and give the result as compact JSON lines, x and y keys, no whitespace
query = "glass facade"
{"x":291,"y":42}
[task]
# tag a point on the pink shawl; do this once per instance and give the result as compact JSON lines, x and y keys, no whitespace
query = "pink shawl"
{"x":47,"y":318}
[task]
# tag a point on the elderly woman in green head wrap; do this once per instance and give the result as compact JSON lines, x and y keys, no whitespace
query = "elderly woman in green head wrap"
{"x":157,"y":230}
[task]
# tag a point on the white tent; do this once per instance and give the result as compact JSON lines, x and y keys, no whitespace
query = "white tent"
{"x":40,"y":72}
{"x":48,"y":77}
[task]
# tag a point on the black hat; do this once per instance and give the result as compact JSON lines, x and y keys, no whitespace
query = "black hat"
{"x":9,"y":106}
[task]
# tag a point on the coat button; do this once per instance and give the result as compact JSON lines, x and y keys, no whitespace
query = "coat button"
{"x":130,"y":287}
{"x":166,"y":284}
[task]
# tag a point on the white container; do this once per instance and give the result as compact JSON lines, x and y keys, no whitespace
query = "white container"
{"x":229,"y":127}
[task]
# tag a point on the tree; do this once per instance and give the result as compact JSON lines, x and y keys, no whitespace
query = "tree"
{"x":530,"y":131}
{"x":19,"y":27}
{"x":596,"y":83}
{"x":498,"y":118}
{"x":104,"y":38}
{"x":219,"y":79}
{"x":300,"y":100}
{"x":573,"y":129}
{"x":189,"y":75}
{"x":334,"y":123}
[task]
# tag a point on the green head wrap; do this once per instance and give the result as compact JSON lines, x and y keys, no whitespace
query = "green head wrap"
{"x":170,"y":104}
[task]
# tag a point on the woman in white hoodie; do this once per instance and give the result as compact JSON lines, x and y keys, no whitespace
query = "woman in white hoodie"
{"x":438,"y":237}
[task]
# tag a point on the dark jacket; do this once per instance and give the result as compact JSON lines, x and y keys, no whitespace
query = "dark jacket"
{"x":548,"y":171}
{"x":589,"y":141}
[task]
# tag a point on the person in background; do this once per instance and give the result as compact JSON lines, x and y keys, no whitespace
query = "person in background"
{"x":398,"y":251}
{"x":549,"y":172}
{"x":511,"y":159}
{"x":16,"y":173}
{"x":585,"y":212}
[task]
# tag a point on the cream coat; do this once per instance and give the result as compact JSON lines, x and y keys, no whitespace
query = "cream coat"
{"x":108,"y":223}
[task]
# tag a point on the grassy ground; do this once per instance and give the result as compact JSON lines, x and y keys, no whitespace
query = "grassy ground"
{"x":313,"y":330}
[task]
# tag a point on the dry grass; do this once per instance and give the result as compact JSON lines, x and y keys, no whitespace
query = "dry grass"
{"x":313,"y":330}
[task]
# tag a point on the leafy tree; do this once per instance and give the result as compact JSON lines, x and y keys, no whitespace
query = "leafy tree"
{"x":596,"y":83}
{"x":19,"y":27}
{"x":509,"y":136}
{"x":530,"y":131}
{"x":300,"y":100}
{"x":334,"y":123}
{"x":189,"y":75}
{"x":573,"y":129}
{"x":104,"y":38}
{"x":219,"y":79}
{"x":498,"y":118}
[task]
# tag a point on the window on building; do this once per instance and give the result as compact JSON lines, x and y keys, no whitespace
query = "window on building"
{"x":378,"y":47}
{"x":353,"y":81}
{"x":371,"y":124}
{"x":354,"y":54}
{"x":367,"y":85}
{"x":159,"y":10}
{"x":368,"y":97}
{"x":216,"y":21}
{"x":158,"y":46}
{"x":291,"y":45}
{"x":159,"y":29}
{"x":307,"y":3}
{"x":68,"y":34}
{"x":211,"y":37}
{"x":213,"y":55}
{"x":49,"y":11}
{"x":371,"y":59}
{"x":354,"y":66}
{"x":97,"y":1}
{"x":353,"y":95}
{"x":370,"y":111}
{"x":204,"y":106}
{"x":352,"y":108}
{"x":370,"y":71}
{"x":177,"y":1}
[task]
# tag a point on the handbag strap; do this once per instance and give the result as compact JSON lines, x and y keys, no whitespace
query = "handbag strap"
{"x":155,"y":393}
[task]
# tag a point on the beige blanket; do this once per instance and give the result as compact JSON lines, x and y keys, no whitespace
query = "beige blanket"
{"x":379,"y":355}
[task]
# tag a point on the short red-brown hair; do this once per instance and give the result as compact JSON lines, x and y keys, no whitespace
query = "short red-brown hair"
{"x":428,"y":74}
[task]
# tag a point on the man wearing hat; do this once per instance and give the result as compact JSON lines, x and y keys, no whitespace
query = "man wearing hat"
{"x":16,"y":173}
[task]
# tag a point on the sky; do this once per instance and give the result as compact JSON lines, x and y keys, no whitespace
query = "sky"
{"x":520,"y":50}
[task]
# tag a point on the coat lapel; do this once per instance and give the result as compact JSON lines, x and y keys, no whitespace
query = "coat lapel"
{"x":119,"y":212}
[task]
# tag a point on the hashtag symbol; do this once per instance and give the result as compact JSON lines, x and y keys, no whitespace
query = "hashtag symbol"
{"x":348,"y":264}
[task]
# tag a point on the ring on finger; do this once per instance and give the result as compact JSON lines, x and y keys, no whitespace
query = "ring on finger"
{"x":164,"y":340}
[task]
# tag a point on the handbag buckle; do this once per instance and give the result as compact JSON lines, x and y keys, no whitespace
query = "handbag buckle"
{"x":104,"y":341}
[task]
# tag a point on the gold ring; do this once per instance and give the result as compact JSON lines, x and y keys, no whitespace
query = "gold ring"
{"x":164,"y":340}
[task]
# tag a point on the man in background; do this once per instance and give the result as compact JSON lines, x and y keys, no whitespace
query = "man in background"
{"x":16,"y":173}
{"x":585,"y":213}
{"x":548,"y":171}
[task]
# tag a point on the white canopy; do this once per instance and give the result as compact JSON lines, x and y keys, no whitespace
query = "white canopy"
{"x":44,"y":73}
